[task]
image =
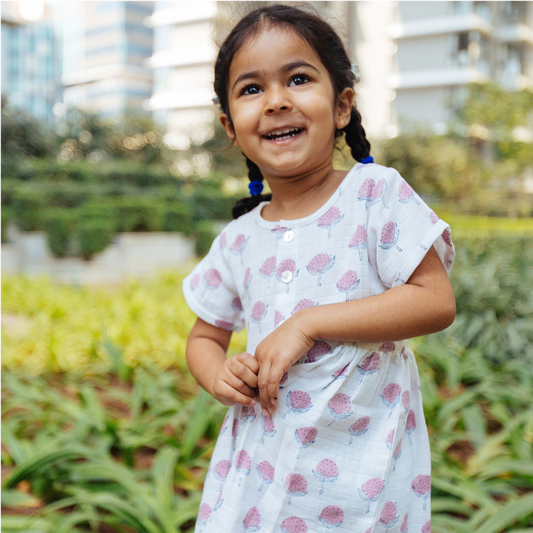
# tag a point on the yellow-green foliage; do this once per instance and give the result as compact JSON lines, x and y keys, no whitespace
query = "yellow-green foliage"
{"x":73,"y":329}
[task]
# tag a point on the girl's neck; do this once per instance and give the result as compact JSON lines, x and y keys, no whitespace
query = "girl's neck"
{"x":299,"y":197}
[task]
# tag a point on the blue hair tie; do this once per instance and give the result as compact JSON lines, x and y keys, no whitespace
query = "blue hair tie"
{"x":255,"y":187}
{"x":367,"y":159}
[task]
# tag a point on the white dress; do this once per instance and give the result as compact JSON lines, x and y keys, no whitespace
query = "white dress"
{"x":347,"y":448}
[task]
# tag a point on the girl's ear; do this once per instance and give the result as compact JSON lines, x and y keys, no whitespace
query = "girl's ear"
{"x":228,"y":128}
{"x":343,"y":109}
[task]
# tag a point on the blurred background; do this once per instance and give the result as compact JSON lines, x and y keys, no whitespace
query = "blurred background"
{"x":116,"y":176}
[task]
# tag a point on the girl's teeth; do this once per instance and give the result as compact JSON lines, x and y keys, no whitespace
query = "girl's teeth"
{"x":283,"y":134}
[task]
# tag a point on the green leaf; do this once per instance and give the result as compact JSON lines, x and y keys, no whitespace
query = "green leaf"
{"x":197,"y":425}
{"x":509,"y":514}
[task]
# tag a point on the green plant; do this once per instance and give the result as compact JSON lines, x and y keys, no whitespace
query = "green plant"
{"x":178,"y":217}
{"x":58,"y":226}
{"x":93,"y":236}
{"x":7,"y":214}
{"x":28,"y":204}
{"x":204,"y":233}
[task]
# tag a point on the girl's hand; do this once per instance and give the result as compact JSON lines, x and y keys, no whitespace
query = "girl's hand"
{"x":275,"y":354}
{"x":236,"y":380}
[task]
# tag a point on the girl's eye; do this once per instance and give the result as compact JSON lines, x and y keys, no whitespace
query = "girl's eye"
{"x":250,"y":89}
{"x":299,"y":79}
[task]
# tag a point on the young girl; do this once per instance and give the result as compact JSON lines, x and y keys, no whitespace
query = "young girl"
{"x":329,"y":275}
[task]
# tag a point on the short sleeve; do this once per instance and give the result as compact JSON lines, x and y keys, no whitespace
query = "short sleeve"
{"x":402,"y":228}
{"x":210,"y":290}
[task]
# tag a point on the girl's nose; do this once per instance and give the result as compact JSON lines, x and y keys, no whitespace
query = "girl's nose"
{"x":277,"y":102}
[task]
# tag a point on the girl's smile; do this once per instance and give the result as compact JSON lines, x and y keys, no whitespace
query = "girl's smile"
{"x":283,"y":107}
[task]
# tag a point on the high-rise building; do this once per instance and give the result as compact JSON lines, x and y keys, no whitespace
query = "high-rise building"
{"x":107,"y":43}
{"x":443,"y":46}
{"x":31,"y":59}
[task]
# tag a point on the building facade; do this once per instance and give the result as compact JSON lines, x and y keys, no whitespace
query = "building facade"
{"x":106,"y":74}
{"x":443,"y":46}
{"x":31,"y":61}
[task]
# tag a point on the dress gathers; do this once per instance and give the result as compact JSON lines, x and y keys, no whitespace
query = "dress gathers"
{"x":347,"y":448}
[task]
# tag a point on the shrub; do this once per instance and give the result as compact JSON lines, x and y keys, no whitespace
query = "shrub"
{"x":28,"y":204}
{"x":93,"y":236}
{"x":204,"y":233}
{"x":138,"y":213}
{"x":178,"y":217}
{"x":58,"y":224}
{"x":7,"y":213}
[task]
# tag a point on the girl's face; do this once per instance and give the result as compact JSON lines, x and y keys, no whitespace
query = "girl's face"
{"x":282,"y":105}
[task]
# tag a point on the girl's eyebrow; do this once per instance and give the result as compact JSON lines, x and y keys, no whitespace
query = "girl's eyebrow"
{"x":286,"y":68}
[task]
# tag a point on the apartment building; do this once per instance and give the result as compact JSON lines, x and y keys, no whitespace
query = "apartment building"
{"x":106,"y":74}
{"x":31,"y":59}
{"x":442,"y":46}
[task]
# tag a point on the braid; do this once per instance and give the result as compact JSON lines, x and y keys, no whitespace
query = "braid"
{"x":356,"y":138}
{"x":244,"y":205}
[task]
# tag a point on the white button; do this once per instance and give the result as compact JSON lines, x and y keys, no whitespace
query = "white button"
{"x":288,"y":236}
{"x":286,"y":276}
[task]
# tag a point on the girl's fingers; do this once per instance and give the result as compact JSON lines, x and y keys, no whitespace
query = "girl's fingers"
{"x":242,"y":371}
{"x":231,"y":394}
{"x":263,"y":387}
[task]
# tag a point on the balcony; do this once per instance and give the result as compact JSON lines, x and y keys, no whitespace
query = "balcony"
{"x":439,"y":26}
{"x":442,"y":77}
{"x":186,"y":13}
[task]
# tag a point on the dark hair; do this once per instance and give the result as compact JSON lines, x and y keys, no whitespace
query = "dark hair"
{"x":324,"y":41}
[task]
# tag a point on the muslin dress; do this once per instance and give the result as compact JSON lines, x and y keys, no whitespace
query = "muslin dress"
{"x":347,"y":449}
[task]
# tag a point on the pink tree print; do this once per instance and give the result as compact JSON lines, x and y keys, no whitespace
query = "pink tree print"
{"x":303,"y":304}
{"x":326,"y":471}
{"x":331,"y":516}
{"x":238,"y":246}
{"x":358,"y":428}
{"x":348,"y":283}
{"x":243,"y":464}
{"x":410,"y":424}
{"x":331,"y":218}
{"x":252,"y":521}
{"x":194,"y":282}
{"x":221,"y":471}
{"x":319,"y":349}
{"x":340,"y":407}
{"x":295,"y":485}
{"x":320,"y":264}
{"x":370,"y":364}
{"x":269,"y":429}
{"x":406,"y":193}
{"x":267,"y":269}
{"x":358,"y":241}
{"x":422,"y":488}
{"x":305,"y":437}
{"x":266,"y":474}
{"x":293,"y":524}
{"x":372,"y":193}
{"x":212,"y":280}
{"x":203,"y":515}
{"x":391,"y":396}
{"x":247,"y":278}
{"x":389,"y":515}
{"x":390,"y":233}
{"x":298,"y":401}
{"x":338,"y":374}
{"x":259,"y":310}
{"x":287,"y":265}
{"x":371,"y":490}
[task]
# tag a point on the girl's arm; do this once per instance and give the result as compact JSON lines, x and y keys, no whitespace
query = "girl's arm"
{"x":425,"y":304}
{"x":229,"y":380}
